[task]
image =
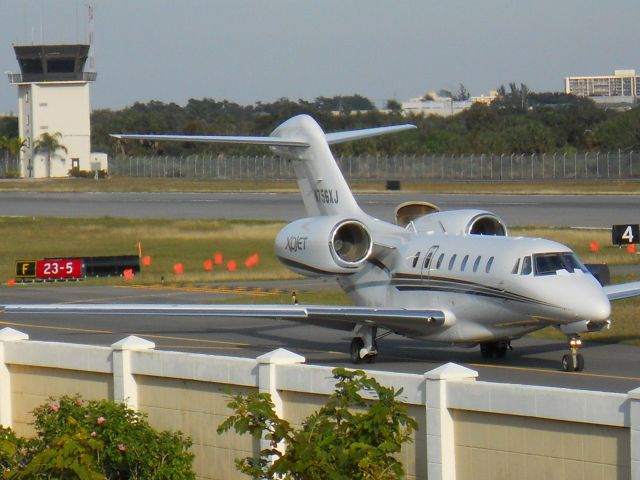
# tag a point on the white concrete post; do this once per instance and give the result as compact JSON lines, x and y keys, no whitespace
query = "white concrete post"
{"x":634,"y":421}
{"x":267,"y":370}
{"x":6,"y":412}
{"x":441,"y":460}
{"x":125,"y":389}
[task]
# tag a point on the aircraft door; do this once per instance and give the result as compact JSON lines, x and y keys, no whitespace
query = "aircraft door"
{"x":429,"y":261}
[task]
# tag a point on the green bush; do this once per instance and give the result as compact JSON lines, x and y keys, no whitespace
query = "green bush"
{"x":349,"y":437}
{"x":12,"y":174}
{"x":94,"y":440}
{"x":87,"y":174}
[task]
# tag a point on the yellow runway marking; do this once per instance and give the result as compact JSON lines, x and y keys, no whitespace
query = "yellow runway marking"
{"x":51,"y":327}
{"x":110,"y":332}
{"x":239,"y":290}
{"x":558,"y":372}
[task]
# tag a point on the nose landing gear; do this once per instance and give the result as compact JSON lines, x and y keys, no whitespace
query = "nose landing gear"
{"x":574,"y":361}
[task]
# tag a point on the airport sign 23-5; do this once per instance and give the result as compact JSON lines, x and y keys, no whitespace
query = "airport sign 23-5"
{"x":59,"y":268}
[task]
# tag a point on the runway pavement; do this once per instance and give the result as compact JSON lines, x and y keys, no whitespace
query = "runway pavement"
{"x":553,"y":210}
{"x":609,"y":367}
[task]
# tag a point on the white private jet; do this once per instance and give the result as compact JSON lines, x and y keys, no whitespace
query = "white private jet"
{"x":449,"y":276}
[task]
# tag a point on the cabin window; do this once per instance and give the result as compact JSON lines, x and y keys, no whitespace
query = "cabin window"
{"x":440,"y":259}
{"x":516,"y":267}
{"x":526,"y":266}
{"x":463,"y":265}
{"x":415,"y":259}
{"x":476,"y":264}
{"x":489,"y":264}
{"x":427,"y":259}
{"x":452,"y":261}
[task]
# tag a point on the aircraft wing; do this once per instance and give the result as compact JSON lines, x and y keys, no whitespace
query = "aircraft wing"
{"x":622,"y":290}
{"x":402,"y":321}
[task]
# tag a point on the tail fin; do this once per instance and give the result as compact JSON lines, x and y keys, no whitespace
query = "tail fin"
{"x":322,"y":185}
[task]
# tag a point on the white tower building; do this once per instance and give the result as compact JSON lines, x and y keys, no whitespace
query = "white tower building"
{"x":53,"y":97}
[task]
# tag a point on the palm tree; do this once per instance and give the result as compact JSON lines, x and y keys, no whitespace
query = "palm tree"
{"x":12,"y":146}
{"x":50,"y":144}
{"x":3,"y":146}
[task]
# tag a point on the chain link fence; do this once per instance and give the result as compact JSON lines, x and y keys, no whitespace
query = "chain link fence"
{"x":535,"y":167}
{"x":9,"y":167}
{"x":546,"y":166}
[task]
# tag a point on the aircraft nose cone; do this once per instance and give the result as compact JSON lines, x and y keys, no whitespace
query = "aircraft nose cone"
{"x":596,"y":306}
{"x":602,"y":309}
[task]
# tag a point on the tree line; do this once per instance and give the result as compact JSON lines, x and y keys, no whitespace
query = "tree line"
{"x":518,"y":121}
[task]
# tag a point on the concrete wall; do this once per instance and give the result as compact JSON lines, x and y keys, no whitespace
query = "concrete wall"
{"x":467,"y":429}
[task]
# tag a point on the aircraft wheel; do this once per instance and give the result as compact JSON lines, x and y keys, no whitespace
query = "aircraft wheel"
{"x":357,"y":344}
{"x":374,"y":355}
{"x":567,"y":363}
{"x":580,"y":362}
{"x":501,"y":349}
{"x":488,"y":349}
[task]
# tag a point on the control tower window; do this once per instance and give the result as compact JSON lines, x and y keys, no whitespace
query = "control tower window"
{"x":61,"y":65}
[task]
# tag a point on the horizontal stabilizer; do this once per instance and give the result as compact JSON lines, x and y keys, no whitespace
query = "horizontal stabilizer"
{"x":332,"y":138}
{"x":339,"y":137}
{"x":268,"y":141}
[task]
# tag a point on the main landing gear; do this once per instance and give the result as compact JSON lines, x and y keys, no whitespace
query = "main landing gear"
{"x":495,"y":349}
{"x":573,"y":362}
{"x":364,"y":345}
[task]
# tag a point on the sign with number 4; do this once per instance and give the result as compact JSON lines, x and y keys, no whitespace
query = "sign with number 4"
{"x":625,"y":234}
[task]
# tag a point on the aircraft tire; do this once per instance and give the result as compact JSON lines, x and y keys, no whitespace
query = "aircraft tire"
{"x":567,"y":363}
{"x":357,"y":344}
{"x":501,"y":349}
{"x":488,"y":349}
{"x":580,"y":362}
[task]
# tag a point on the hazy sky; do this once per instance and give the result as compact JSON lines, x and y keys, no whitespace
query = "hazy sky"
{"x":259,"y":50}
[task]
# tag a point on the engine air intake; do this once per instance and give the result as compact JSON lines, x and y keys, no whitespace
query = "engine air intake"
{"x":350,"y":242}
{"x":487,"y":225}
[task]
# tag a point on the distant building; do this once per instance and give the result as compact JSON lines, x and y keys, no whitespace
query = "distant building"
{"x":432,"y":104}
{"x":53,"y":96}
{"x":621,"y":87}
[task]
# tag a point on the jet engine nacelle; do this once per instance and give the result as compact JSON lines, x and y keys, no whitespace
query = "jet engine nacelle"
{"x":462,"y":222}
{"x":324,"y":245}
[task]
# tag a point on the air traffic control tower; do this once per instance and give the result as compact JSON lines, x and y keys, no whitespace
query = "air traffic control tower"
{"x":53,"y":97}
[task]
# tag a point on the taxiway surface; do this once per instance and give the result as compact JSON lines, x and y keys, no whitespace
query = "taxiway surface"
{"x":553,"y":210}
{"x":609,"y":367}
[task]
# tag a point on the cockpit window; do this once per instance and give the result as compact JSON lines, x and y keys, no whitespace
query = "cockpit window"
{"x":526,"y":266}
{"x":550,"y":263}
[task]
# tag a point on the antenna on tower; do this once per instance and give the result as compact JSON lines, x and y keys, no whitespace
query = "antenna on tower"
{"x":90,"y":34}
